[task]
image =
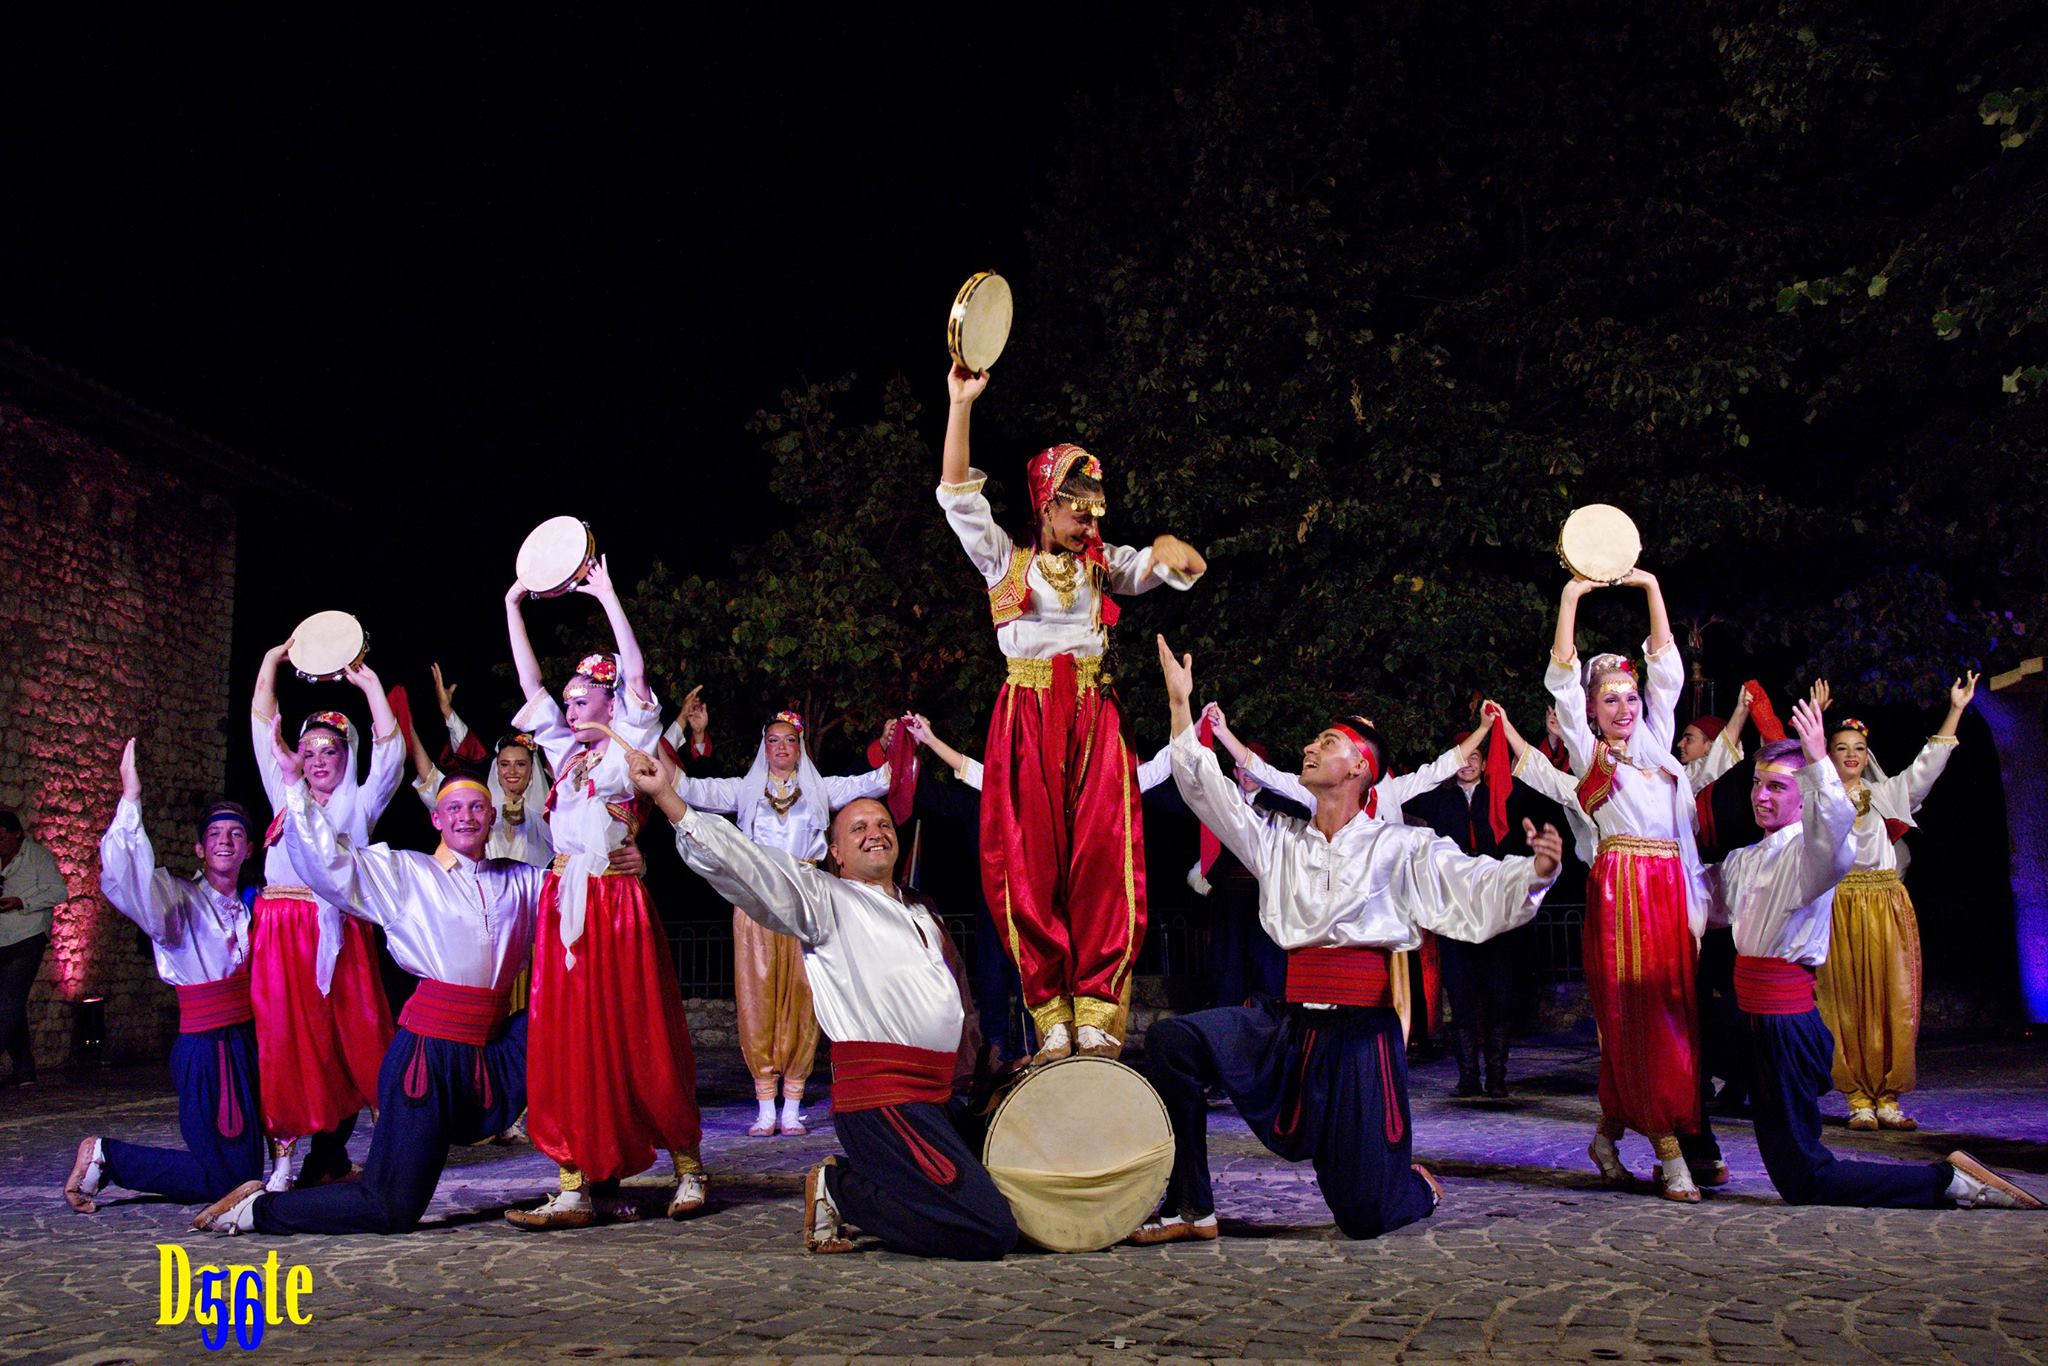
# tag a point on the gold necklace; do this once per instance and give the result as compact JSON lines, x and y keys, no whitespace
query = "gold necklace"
{"x":782,"y":803}
{"x":1061,"y":571}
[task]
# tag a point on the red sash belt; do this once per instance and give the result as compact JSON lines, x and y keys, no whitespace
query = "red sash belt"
{"x":443,"y":1010}
{"x":215,"y":1005}
{"x":1772,"y":986}
{"x":868,"y":1076}
{"x":1339,"y":976}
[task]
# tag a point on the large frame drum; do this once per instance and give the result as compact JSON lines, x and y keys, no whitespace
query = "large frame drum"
{"x":1082,"y":1149}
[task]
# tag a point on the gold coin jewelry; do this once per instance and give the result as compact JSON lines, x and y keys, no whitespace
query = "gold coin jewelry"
{"x":780,"y":802}
{"x":1061,"y":571}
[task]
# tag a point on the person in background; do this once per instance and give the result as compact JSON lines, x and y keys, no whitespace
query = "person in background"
{"x":30,"y":889}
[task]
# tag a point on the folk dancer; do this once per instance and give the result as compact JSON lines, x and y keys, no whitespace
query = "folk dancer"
{"x":322,"y":1019}
{"x":1870,"y":984}
{"x":1631,"y":808}
{"x":462,"y":922}
{"x":875,"y":959}
{"x":1776,"y":895}
{"x":31,"y":889}
{"x":1063,"y":863}
{"x":785,"y":803}
{"x":610,"y":1072}
{"x":1478,"y":978}
{"x":198,"y":928}
{"x":1385,"y":802}
{"x":1322,"y":1076}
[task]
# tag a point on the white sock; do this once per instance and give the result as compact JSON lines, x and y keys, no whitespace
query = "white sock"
{"x":827,"y":1222}
{"x":1962,"y":1189}
{"x":1166,"y":1220}
{"x":570,"y":1199}
{"x":95,"y":1171}
{"x":241,"y":1218}
{"x":767,"y":1115}
{"x":792,"y":1109}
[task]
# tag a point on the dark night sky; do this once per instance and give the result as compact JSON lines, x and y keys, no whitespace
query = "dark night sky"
{"x":471,"y":273}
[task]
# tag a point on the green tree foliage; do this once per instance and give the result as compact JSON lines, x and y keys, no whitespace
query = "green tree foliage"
{"x":1363,"y":300}
{"x":848,"y":607}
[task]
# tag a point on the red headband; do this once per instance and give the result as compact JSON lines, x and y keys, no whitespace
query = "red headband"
{"x":1372,"y":759}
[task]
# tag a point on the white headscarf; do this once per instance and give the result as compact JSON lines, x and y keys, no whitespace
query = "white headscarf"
{"x":811,"y":807}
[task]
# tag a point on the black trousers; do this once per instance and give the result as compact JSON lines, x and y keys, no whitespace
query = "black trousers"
{"x":1793,"y":1057}
{"x":1330,"y":1086}
{"x":431,"y":1093}
{"x":911,"y":1179}
{"x":18,"y":965}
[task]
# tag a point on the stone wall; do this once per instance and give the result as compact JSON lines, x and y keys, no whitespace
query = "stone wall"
{"x":117,"y":585}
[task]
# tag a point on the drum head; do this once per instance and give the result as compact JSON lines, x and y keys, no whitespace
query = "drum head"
{"x":326,"y":643}
{"x":1599,"y":542}
{"x":553,"y":556}
{"x":1082,"y":1150}
{"x":979,"y":324}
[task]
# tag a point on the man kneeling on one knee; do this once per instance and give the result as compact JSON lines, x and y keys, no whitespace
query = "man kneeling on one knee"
{"x":1323,"y":1076}
{"x":875,"y":961}
{"x":455,"y":1073}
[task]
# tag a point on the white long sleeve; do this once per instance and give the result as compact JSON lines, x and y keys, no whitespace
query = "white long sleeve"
{"x":464,"y":922}
{"x":1778,"y":894}
{"x":1372,"y":884}
{"x":198,"y":935}
{"x":875,"y":965}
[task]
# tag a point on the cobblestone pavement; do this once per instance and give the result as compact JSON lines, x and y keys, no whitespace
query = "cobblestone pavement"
{"x":1528,"y":1258}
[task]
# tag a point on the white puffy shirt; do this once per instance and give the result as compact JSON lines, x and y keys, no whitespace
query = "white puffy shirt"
{"x":198,"y":935}
{"x":1779,"y":893}
{"x":1371,"y":885}
{"x":875,"y":966}
{"x":1046,"y":629}
{"x":463,"y":921}
{"x":789,"y":832}
{"x":1897,"y":798}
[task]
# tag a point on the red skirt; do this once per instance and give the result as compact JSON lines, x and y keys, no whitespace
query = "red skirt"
{"x":1640,"y":973}
{"x":316,"y":1056}
{"x":609,"y":1072}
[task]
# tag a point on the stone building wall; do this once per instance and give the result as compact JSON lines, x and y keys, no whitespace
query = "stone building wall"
{"x":117,"y":584}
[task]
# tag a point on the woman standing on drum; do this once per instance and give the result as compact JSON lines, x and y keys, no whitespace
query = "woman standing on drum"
{"x":610,"y":1075}
{"x":1645,"y":904}
{"x":783,"y":803}
{"x":322,"y":1021}
{"x":1062,"y":840}
{"x":1869,"y":987}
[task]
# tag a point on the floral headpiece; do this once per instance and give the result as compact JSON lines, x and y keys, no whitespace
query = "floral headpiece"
{"x":601,"y":669}
{"x":325,"y":720}
{"x":788,"y":718}
{"x":1049,"y":469}
{"x":523,"y":739}
{"x":1851,"y":723}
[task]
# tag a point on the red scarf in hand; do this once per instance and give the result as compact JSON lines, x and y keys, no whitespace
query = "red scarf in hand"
{"x":1211,"y":847}
{"x":1500,"y":775}
{"x":1768,"y":726}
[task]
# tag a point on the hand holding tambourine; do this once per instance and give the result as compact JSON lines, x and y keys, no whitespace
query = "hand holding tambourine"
{"x":1599,"y":543}
{"x":978,"y":324}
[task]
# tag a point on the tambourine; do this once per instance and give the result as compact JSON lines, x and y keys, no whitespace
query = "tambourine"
{"x":1600,"y":543}
{"x":326,"y":645}
{"x":979,"y":324}
{"x":556,"y":556}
